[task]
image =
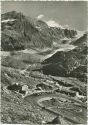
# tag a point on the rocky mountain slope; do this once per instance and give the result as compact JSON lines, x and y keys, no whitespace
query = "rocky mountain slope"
{"x":69,"y":63}
{"x":17,"y":28}
{"x":52,"y":63}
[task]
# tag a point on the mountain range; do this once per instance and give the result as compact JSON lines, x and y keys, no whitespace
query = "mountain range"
{"x":17,"y":28}
{"x":51,"y":62}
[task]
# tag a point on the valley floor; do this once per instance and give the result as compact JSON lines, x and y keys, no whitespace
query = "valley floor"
{"x":48,"y":98}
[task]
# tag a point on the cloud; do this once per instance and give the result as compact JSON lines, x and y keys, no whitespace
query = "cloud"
{"x":53,"y":23}
{"x":40,"y":16}
{"x":66,"y":26}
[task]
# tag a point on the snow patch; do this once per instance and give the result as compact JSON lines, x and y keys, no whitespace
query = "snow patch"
{"x":52,"y":23}
{"x":79,"y":34}
{"x":30,"y":51}
{"x":66,"y":48}
{"x":8,"y":20}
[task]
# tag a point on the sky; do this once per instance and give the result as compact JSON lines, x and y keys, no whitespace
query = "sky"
{"x":71,"y":14}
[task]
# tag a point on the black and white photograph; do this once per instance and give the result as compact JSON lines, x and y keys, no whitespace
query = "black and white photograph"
{"x":44,"y":62}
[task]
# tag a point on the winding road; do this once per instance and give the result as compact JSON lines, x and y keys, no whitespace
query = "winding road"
{"x":69,"y":112}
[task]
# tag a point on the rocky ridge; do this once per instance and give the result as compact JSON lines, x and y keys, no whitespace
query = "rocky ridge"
{"x":52,"y":63}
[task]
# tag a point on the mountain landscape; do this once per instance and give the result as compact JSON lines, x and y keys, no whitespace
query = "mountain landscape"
{"x":52,"y":63}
